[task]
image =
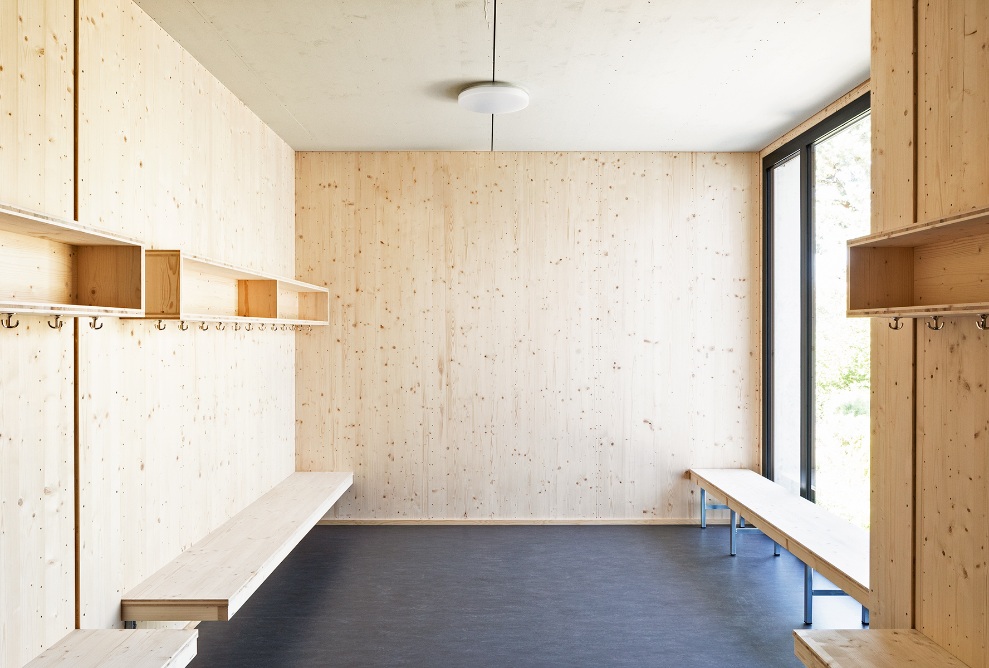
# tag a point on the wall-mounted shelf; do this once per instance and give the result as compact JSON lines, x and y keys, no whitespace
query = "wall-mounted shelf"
{"x":936,"y":268}
{"x":53,"y":266}
{"x":187,"y":288}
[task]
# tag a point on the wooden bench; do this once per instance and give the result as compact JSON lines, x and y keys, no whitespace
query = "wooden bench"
{"x":824,"y":542}
{"x":117,"y":648}
{"x":874,"y":648}
{"x":212,"y":579}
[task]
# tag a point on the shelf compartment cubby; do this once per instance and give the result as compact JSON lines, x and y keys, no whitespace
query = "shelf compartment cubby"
{"x":935,"y":268}
{"x":54,"y":266}
{"x":184,"y":287}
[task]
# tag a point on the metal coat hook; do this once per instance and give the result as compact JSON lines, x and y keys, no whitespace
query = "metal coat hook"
{"x":92,"y":324}
{"x":57,"y":323}
{"x":249,"y":326}
{"x":160,"y":326}
{"x":220,"y":326}
{"x":203,"y":326}
{"x":261,"y":326}
{"x":236,"y":326}
{"x":7,"y":324}
{"x":937,"y":325}
{"x":284,"y":327}
{"x":308,"y":328}
{"x":183,"y":326}
{"x":981,"y":324}
{"x":896,"y":324}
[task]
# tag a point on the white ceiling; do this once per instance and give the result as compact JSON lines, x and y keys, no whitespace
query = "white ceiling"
{"x":363,"y":75}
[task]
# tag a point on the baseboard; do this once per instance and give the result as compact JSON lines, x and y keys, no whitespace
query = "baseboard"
{"x":518,"y":522}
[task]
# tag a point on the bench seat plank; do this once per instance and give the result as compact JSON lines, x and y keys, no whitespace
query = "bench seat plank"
{"x":117,"y":648}
{"x":874,"y":648}
{"x":830,"y":545}
{"x":212,"y":579}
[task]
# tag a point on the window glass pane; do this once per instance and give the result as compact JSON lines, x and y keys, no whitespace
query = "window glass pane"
{"x":786,"y":323}
{"x":840,"y":345}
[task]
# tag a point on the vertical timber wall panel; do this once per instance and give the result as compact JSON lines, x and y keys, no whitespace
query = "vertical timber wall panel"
{"x":892,"y":410}
{"x":953,"y":369}
{"x":529,"y":336}
{"x":177,"y":430}
{"x":37,"y":546}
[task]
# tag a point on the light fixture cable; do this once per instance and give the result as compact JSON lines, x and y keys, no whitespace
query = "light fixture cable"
{"x":494,"y":56}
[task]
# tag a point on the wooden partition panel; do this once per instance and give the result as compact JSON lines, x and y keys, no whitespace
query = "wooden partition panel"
{"x":37,"y":553}
{"x":892,"y":406}
{"x":953,"y":364}
{"x":529,"y":336}
{"x":177,"y":430}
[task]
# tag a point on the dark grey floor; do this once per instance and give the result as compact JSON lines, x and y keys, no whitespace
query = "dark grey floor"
{"x":523,"y":596}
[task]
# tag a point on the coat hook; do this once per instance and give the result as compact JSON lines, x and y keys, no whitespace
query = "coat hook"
{"x":160,"y":326}
{"x":203,"y":326}
{"x":896,"y":324}
{"x":284,"y":327}
{"x":236,"y":326}
{"x":308,"y":328}
{"x":7,"y":324}
{"x":249,"y":326}
{"x":92,"y":325}
{"x":937,"y":325}
{"x":57,"y":323}
{"x":220,"y":326}
{"x":183,"y":326}
{"x":981,"y":324}
{"x":261,"y":326}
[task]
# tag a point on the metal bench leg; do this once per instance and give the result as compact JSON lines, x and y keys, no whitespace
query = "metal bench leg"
{"x":865,"y":616}
{"x":733,"y":534}
{"x":130,"y":625}
{"x":741,"y":522}
{"x":776,"y":549}
{"x":703,"y":508}
{"x":808,"y":594}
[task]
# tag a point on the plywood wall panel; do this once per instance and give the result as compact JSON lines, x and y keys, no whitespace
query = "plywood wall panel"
{"x":170,"y":156}
{"x":892,"y":407}
{"x":953,"y":123}
{"x":177,"y":430}
{"x":37,"y":539}
{"x":953,"y":535}
{"x":37,"y":545}
{"x":36,"y":99}
{"x":528,"y":335}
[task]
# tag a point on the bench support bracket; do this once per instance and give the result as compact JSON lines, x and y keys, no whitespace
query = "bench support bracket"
{"x":810,"y":593}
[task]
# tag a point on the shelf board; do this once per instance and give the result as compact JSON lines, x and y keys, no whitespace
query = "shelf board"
{"x":922,"y":311}
{"x":193,"y":289}
{"x":969,"y":224}
{"x":54,"y":266}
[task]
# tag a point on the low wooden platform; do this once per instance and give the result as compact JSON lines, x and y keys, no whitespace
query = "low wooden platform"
{"x":212,"y":579}
{"x":116,"y":648}
{"x":830,"y":545}
{"x":874,"y":648}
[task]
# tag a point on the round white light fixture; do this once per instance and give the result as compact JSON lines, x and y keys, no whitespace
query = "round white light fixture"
{"x":493,"y":98}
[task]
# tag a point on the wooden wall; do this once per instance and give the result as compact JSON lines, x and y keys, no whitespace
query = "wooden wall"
{"x":893,"y":360}
{"x":176,"y":430}
{"x":931,"y":500}
{"x":529,"y":336}
{"x":953,"y":369}
{"x":37,"y":544}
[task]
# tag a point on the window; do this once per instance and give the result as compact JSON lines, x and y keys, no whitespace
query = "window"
{"x":816,"y":366}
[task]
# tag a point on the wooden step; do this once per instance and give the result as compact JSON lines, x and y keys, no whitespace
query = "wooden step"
{"x":872,"y":648}
{"x":212,"y":579}
{"x":117,"y":648}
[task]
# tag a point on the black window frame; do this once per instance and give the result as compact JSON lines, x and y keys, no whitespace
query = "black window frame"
{"x":803,"y":145}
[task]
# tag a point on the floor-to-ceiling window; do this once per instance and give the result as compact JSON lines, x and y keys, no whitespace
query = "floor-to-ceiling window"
{"x":817,"y":359}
